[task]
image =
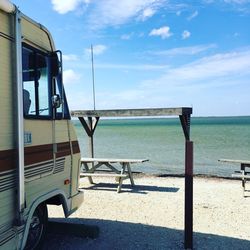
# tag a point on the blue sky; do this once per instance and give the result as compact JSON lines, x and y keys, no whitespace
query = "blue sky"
{"x":152,"y":53}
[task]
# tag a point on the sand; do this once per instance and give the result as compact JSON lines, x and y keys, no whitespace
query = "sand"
{"x":151,"y":215}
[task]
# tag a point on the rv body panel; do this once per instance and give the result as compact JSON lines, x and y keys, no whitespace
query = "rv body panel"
{"x":7,"y":133}
{"x":36,"y":36}
{"x":6,"y":78}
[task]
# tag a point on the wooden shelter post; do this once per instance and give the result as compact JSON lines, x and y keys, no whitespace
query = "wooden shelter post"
{"x":188,"y":224}
{"x":89,"y":127}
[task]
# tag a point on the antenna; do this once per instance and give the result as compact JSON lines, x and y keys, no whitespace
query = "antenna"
{"x":93,"y":75}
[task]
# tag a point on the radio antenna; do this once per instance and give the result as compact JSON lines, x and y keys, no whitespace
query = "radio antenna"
{"x":93,"y":75}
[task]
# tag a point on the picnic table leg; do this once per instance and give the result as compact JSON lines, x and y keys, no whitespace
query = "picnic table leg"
{"x":130,"y":174}
{"x":87,"y":170}
{"x":121,"y":178}
{"x":242,"y":168}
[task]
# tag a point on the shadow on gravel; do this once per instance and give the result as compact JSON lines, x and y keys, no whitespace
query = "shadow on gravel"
{"x":105,"y":234}
{"x":139,"y":189}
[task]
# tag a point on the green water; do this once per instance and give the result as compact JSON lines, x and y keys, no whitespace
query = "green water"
{"x":162,"y":142}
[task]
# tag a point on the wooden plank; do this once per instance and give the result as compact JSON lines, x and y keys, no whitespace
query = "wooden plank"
{"x":103,"y":175}
{"x":242,"y":176}
{"x":236,"y":161}
{"x":112,"y":160}
{"x":132,"y":112}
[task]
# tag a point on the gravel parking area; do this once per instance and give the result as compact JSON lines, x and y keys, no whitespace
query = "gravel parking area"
{"x":151,"y":216}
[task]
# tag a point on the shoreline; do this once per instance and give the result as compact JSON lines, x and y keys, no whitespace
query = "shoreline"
{"x":205,"y":176}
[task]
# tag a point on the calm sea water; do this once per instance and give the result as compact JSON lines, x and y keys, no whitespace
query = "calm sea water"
{"x":162,"y":142}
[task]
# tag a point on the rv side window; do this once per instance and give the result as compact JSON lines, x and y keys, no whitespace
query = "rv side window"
{"x":36,"y":90}
{"x":63,"y":111}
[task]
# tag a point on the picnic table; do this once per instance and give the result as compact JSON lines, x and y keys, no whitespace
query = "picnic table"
{"x":242,"y":173}
{"x":120,"y":174}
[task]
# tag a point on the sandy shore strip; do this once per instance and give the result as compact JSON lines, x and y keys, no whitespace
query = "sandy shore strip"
{"x":151,"y":215}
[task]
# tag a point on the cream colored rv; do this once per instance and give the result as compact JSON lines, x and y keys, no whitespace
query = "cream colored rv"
{"x":39,"y":151}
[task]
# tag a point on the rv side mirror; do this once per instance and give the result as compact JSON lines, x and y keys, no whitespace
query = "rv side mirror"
{"x":55,"y":65}
{"x":56,"y":101}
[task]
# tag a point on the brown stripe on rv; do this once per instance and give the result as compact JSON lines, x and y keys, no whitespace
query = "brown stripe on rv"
{"x":75,"y":146}
{"x":7,"y":159}
{"x":63,"y":149}
{"x":35,"y":154}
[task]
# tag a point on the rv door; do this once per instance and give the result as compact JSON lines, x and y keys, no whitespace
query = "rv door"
{"x":61,"y":117}
{"x":37,"y":111}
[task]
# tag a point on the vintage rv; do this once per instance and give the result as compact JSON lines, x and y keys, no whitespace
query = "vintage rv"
{"x":39,"y":151}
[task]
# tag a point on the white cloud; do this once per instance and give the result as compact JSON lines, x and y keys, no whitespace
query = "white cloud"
{"x":126,"y":67}
{"x":237,"y":1}
{"x":70,"y":76}
{"x":64,"y":6}
{"x":133,"y":66}
{"x":127,"y":36}
{"x":186,"y":34}
{"x":178,"y":13}
{"x":234,"y":64}
{"x":163,"y":32}
{"x":97,"y":49}
{"x":114,"y":13}
{"x":217,"y":76}
{"x":208,"y":1}
{"x":189,"y":50}
{"x":147,"y":13}
{"x":193,"y":15}
{"x":70,"y":57}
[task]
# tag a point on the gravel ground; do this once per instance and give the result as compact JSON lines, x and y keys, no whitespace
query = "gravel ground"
{"x":151,"y":216}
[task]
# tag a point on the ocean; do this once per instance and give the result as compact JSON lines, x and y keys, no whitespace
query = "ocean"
{"x":161,"y":140}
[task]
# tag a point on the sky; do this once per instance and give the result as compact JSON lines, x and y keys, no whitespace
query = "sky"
{"x":152,"y":53}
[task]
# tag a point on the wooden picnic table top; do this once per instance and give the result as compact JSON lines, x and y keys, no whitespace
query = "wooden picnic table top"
{"x":247,"y":162}
{"x":112,"y":160}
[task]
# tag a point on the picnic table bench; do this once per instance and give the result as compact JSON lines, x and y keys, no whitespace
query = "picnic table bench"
{"x":242,"y":173}
{"x":120,"y":174}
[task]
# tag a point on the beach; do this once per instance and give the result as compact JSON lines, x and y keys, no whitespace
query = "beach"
{"x":151,"y":215}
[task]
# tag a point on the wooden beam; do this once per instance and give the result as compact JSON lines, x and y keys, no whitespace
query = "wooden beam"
{"x":246,"y":162}
{"x":185,"y":123}
{"x":89,"y":126}
{"x":132,"y":112}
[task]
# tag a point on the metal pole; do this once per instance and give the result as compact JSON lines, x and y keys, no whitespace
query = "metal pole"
{"x":91,"y":137}
{"x":20,"y":122}
{"x":93,"y":75}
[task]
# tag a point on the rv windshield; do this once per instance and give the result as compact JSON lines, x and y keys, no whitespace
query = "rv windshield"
{"x":36,"y":83}
{"x":41,"y":81}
